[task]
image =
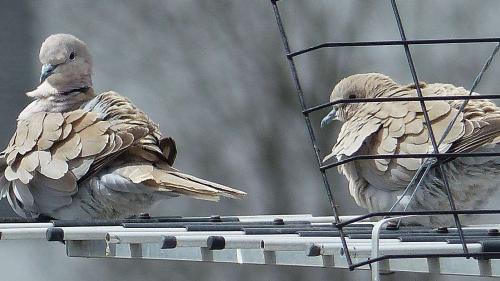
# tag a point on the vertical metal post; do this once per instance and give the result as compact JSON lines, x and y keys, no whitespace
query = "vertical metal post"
{"x":300,"y":95}
{"x":428,"y":124}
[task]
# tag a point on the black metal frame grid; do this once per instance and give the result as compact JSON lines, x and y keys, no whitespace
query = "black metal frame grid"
{"x":434,"y":159}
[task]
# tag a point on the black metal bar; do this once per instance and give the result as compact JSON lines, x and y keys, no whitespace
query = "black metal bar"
{"x":409,"y":155}
{"x":419,"y":213}
{"x":411,"y":256}
{"x":312,"y":136}
{"x":440,"y":157}
{"x":427,"y":122}
{"x":395,"y":43}
{"x":393,"y":99}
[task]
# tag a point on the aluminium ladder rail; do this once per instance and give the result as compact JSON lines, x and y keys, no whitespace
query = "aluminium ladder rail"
{"x":300,"y":240}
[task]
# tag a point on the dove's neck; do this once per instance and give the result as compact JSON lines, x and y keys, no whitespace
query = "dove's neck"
{"x":58,"y":103}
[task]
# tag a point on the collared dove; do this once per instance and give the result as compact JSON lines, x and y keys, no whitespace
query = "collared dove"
{"x":77,"y":155}
{"x":399,"y":128}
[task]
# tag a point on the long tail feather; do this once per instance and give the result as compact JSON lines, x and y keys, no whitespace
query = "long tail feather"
{"x":222,"y":190}
{"x":170,"y":180}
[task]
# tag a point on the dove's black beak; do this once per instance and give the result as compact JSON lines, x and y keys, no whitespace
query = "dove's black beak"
{"x":47,"y":70}
{"x":329,"y":118}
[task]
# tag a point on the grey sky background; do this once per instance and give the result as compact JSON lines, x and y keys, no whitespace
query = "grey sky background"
{"x":213,"y":75}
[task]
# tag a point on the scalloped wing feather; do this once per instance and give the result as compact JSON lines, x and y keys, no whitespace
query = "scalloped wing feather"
{"x":54,"y":152}
{"x":399,"y":128}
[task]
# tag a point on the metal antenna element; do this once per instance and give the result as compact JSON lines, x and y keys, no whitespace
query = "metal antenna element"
{"x":310,"y":129}
{"x":429,"y":160}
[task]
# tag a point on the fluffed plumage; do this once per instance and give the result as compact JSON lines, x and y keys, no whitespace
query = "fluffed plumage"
{"x":399,"y":128}
{"x":78,"y":155}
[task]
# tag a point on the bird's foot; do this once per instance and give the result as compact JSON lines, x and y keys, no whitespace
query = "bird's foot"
{"x":142,"y":216}
{"x":44,"y":218}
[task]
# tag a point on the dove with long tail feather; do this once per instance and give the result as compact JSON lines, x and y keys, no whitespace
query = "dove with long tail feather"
{"x":77,"y":155}
{"x":399,"y":128}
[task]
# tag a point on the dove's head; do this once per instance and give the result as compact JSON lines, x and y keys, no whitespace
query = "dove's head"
{"x":66,"y":67}
{"x":358,"y":86}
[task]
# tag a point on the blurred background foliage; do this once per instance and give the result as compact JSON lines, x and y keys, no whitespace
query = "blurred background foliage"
{"x":213,"y":75}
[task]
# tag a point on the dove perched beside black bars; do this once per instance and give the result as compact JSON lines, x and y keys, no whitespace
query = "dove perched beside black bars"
{"x":399,"y":128}
{"x":77,"y":155}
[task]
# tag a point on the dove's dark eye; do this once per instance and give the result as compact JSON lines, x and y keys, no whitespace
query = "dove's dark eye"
{"x":352,"y":96}
{"x":72,"y":56}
